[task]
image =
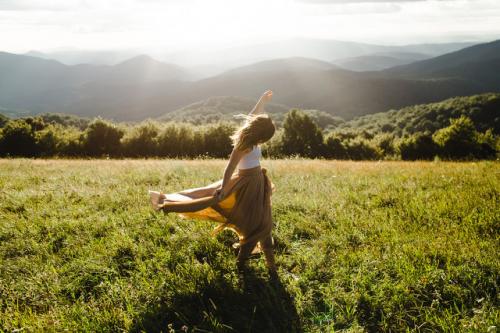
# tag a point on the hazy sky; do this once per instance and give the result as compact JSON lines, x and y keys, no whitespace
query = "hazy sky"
{"x":176,"y":24}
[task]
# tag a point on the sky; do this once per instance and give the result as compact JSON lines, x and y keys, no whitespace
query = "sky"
{"x":51,"y":25}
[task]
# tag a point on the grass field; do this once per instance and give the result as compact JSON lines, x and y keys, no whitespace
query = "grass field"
{"x":361,"y":246}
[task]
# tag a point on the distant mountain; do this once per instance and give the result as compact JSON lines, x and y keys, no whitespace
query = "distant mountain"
{"x":321,"y":49}
{"x":143,"y":87}
{"x":41,"y":85}
{"x":206,"y":62}
{"x":479,"y":64}
{"x":37,"y":84}
{"x":77,"y":57}
{"x":285,"y":64}
{"x":338,"y":92}
{"x":142,"y":69}
{"x":379,"y":61}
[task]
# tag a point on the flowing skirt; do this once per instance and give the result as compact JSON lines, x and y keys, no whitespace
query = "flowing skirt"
{"x":245,"y":207}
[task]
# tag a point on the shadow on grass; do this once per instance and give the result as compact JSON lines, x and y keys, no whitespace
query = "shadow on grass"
{"x":260,"y":306}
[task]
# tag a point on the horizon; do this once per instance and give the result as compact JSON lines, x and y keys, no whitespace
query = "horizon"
{"x":152,"y":26}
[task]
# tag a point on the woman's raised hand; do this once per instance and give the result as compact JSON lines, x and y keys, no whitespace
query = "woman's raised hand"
{"x":266,"y":96}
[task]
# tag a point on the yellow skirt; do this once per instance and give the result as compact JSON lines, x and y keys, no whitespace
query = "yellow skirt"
{"x":245,"y":208}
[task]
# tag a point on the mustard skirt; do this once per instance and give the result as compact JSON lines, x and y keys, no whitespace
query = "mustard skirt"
{"x":245,"y":207}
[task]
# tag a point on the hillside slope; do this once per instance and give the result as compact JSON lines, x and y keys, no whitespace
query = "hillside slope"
{"x":478,"y":63}
{"x":483,"y":110}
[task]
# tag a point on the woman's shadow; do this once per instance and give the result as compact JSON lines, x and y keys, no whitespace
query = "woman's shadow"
{"x":258,"y":304}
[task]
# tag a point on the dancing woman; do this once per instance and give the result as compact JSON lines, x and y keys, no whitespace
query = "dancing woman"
{"x":241,"y":200}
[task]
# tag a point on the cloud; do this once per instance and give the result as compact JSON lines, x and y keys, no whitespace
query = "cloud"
{"x":332,"y":2}
{"x":33,"y":5}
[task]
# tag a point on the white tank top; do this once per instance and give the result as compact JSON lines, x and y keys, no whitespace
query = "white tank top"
{"x":251,"y":159}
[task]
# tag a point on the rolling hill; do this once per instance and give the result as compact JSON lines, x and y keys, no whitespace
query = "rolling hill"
{"x":483,"y":110}
{"x":223,"y":108}
{"x":321,"y":49}
{"x":143,"y":87}
{"x":379,"y":61}
{"x":478,"y":63}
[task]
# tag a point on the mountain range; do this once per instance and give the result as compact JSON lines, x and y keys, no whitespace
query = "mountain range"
{"x":143,"y":87}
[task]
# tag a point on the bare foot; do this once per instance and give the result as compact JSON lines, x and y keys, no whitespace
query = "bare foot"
{"x":156,"y":199}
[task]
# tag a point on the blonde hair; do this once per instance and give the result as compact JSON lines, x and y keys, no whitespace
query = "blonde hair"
{"x":256,"y":129}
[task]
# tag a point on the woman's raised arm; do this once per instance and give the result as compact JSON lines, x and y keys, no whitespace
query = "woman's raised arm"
{"x":259,"y":107}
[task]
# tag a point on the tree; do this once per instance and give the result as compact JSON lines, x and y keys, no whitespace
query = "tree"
{"x":385,"y":143}
{"x":360,"y":149}
{"x":180,"y":141}
{"x":418,"y":147}
{"x":17,"y":138}
{"x":142,"y":140}
{"x":335,"y":148}
{"x":217,"y":140}
{"x":102,"y":138}
{"x":3,"y":120}
{"x":47,"y":141}
{"x":459,"y":140}
{"x":301,"y":135}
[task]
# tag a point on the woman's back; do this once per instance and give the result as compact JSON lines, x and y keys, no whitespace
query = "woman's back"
{"x":250,"y":160}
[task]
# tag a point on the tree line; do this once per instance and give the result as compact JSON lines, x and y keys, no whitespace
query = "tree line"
{"x":69,"y":136}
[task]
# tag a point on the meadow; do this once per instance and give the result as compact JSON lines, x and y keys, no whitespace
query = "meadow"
{"x":360,"y":246}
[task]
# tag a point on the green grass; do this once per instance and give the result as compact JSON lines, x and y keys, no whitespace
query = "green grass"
{"x":366,"y":246}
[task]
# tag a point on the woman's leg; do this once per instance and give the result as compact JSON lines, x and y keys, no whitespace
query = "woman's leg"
{"x":243,"y":254}
{"x":200,"y":192}
{"x":268,"y":248}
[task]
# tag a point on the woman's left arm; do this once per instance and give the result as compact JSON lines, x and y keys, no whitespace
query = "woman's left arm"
{"x":235,"y":157}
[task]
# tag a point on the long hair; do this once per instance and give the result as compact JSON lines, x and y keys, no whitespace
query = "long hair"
{"x":256,"y":129}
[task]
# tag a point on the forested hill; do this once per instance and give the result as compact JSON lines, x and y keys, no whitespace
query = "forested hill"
{"x":223,"y":108}
{"x":483,"y":110}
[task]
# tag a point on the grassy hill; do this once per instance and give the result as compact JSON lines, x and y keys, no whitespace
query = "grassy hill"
{"x":388,"y":246}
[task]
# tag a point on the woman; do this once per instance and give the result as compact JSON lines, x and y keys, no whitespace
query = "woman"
{"x":241,"y":201}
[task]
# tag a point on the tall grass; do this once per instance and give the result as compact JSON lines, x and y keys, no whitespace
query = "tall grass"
{"x":361,"y":246}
